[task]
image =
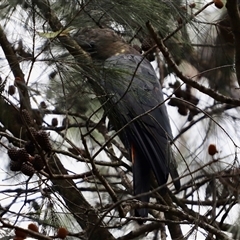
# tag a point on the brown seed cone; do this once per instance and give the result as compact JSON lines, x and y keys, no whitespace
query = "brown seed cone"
{"x":33,"y":131}
{"x":27,"y":169}
{"x":38,"y":163}
{"x":212,"y":149}
{"x":23,"y":154}
{"x":33,"y":227}
{"x":43,"y":141}
{"x":30,"y":147}
{"x":15,"y":165}
{"x":13,"y":154}
{"x":20,"y":234}
{"x":62,"y":232}
{"x":192,"y":5}
{"x":43,"y":105}
{"x":54,"y":122}
{"x":26,"y":116}
{"x":65,"y":122}
{"x":11,"y":90}
{"x":218,"y":4}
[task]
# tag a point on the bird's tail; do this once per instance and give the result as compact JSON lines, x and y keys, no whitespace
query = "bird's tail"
{"x":141,"y":181}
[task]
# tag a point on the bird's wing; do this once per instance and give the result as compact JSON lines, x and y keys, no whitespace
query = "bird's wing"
{"x":134,"y":88}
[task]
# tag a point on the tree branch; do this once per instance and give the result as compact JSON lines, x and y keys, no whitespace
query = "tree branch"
{"x":198,"y":219}
{"x":83,"y":212}
{"x":233,"y":13}
{"x":16,"y":70}
{"x":217,"y":96}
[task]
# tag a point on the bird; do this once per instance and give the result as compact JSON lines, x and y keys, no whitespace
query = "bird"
{"x":134,"y":103}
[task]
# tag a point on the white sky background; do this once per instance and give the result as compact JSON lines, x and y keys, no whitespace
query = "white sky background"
{"x":39,"y":76}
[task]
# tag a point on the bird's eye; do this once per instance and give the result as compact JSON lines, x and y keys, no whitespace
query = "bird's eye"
{"x":92,"y":44}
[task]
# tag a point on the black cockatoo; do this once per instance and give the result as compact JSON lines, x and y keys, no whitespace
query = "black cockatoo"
{"x":133,"y":98}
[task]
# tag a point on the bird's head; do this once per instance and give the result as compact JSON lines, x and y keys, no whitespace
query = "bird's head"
{"x":103,"y":43}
